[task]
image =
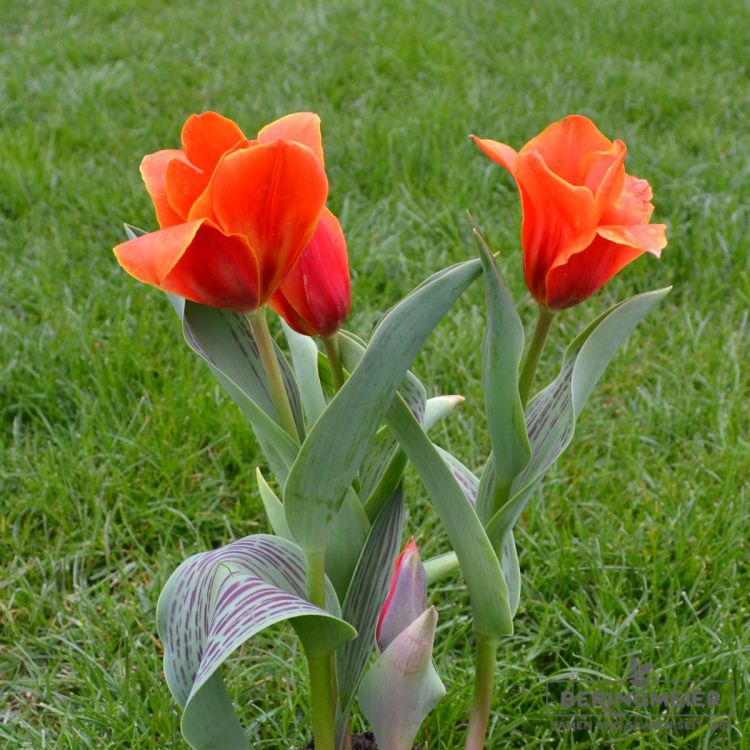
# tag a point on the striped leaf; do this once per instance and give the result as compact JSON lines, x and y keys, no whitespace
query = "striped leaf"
{"x":213,"y":603}
{"x":339,"y":441}
{"x":551,"y":416}
{"x":365,"y":598}
{"x":223,"y":339}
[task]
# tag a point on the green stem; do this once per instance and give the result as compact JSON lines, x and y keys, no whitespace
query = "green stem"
{"x":264,"y":341}
{"x":331,"y":344}
{"x":483,"y":682}
{"x":543,"y":323}
{"x":321,"y":701}
{"x":322,"y":685}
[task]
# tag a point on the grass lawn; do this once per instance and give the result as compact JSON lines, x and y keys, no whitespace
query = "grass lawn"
{"x":120,"y":456}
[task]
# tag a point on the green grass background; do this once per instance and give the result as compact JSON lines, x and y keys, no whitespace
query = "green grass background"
{"x":121,"y":456}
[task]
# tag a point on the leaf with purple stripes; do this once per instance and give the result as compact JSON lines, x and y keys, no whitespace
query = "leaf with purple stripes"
{"x":216,"y":601}
{"x":552,"y":414}
{"x":365,"y":598}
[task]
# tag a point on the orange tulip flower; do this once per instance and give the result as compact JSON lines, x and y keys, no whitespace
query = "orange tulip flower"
{"x":584,"y":218}
{"x":235,"y":214}
{"x":314,"y":298}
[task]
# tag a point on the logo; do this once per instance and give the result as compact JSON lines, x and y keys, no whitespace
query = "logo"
{"x":642,"y":701}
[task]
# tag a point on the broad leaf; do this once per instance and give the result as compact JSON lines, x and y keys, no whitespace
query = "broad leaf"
{"x":480,"y":565}
{"x":364,"y":601}
{"x":212,"y":604}
{"x":347,"y":536}
{"x":223,"y":339}
{"x":501,"y":357}
{"x":552,"y":414}
{"x":339,"y":441}
{"x":402,"y":687}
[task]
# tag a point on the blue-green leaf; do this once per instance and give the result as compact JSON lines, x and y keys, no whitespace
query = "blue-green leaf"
{"x":212,"y":604}
{"x":501,"y":357}
{"x":339,"y":441}
{"x":479,"y":563}
{"x":305,"y":363}
{"x":552,"y":414}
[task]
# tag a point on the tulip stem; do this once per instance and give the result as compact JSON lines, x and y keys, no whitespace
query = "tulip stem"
{"x":526,"y":380}
{"x":320,"y":665}
{"x":331,"y":344}
{"x":267,"y":351}
{"x":484,"y":679}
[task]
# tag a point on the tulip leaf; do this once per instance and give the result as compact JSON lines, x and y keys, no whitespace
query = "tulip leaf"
{"x":340,"y":439}
{"x":402,"y":686}
{"x":364,"y":600}
{"x":466,"y":478}
{"x":223,"y":339}
{"x":479,"y":564}
{"x":305,"y":363}
{"x":551,"y":415}
{"x":273,"y":507}
{"x":216,"y":601}
{"x":347,"y":536}
{"x":501,"y":357}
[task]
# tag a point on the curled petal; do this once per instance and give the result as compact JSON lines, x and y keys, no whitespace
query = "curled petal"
{"x":504,"y":155}
{"x":314,"y":298}
{"x":206,"y":137}
{"x":559,"y":219}
{"x":195,"y":260}
{"x":633,"y":205}
{"x":302,"y":127}
{"x":153,"y":171}
{"x":564,"y":146}
{"x":272,"y":194}
{"x":586,"y":272}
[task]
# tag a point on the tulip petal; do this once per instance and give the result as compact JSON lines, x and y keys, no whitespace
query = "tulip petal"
{"x":650,"y":238}
{"x":504,"y":155}
{"x":302,"y":127}
{"x":612,"y":249}
{"x":273,"y":194}
{"x":195,"y":260}
{"x":565,"y":144}
{"x":184,"y":183}
{"x":314,"y":298}
{"x":559,"y":219}
{"x":633,"y":206}
{"x":153,"y":171}
{"x":206,"y":137}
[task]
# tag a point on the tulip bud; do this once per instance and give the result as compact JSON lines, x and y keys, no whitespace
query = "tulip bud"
{"x":402,"y":687}
{"x":314,"y":297}
{"x":407,"y":596}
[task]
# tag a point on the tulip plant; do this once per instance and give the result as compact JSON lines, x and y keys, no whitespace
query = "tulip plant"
{"x":244,"y":226}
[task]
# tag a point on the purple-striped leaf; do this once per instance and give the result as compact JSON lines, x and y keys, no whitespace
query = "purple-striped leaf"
{"x":364,"y":601}
{"x":551,"y":416}
{"x":214,"y":602}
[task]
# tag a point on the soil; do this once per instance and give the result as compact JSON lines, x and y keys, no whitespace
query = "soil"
{"x":364,"y":741}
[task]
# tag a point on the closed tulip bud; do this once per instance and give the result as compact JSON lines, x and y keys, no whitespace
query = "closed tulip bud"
{"x":407,"y":596}
{"x":314,"y":298}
